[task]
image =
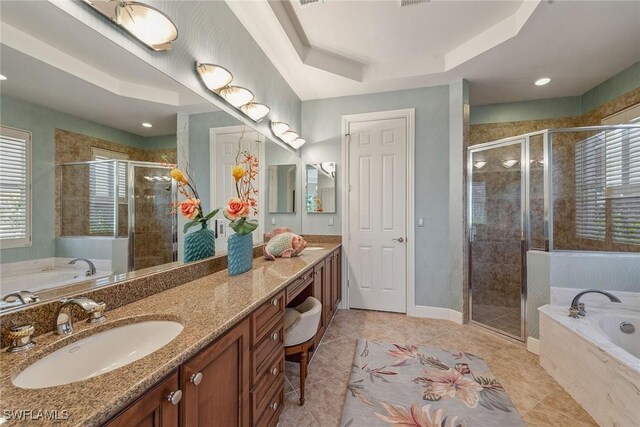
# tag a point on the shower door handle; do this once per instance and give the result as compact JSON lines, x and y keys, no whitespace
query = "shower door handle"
{"x":472,"y":234}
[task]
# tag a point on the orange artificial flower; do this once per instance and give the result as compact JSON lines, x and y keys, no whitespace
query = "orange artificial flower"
{"x":236,"y":209}
{"x":190,"y":208}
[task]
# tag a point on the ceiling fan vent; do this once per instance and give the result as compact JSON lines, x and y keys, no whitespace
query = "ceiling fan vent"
{"x":309,"y":2}
{"x":404,"y":3}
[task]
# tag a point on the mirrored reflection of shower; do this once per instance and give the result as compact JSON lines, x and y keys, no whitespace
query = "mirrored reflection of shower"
{"x":122,"y":200}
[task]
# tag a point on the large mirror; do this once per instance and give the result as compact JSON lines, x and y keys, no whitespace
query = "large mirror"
{"x":321,"y":188}
{"x":282,"y":188}
{"x":88,"y":140}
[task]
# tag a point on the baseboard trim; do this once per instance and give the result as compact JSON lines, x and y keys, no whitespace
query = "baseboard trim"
{"x":436,"y":313}
{"x":533,"y":345}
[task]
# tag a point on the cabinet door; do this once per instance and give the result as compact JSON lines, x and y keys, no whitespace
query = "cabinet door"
{"x":318,"y":293}
{"x":216,"y":382}
{"x":152,"y":409}
{"x":328,"y":283}
{"x":336,"y":280}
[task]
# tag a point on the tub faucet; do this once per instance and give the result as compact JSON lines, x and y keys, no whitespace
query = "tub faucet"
{"x":92,"y":267}
{"x":577,"y":308}
{"x":64,"y":321}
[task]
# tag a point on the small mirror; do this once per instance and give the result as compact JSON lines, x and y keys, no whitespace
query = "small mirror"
{"x":321,"y":188}
{"x":282,"y":188}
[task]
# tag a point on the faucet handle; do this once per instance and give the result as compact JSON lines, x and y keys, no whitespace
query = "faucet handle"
{"x":582,"y":311}
{"x":574,"y":313}
{"x":96,"y":315}
{"x":20,"y":337}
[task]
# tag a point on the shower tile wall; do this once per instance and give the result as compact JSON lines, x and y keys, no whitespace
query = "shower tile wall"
{"x":496,"y":255}
{"x":75,"y":147}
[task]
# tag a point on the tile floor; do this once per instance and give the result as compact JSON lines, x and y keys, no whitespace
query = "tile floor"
{"x":538,"y":398}
{"x":506,"y":319}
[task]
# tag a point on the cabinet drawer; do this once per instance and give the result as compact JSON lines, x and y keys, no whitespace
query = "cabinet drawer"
{"x":264,"y":352}
{"x":294,"y":289}
{"x":265,"y":317}
{"x":273,"y":407}
{"x":262,"y":392}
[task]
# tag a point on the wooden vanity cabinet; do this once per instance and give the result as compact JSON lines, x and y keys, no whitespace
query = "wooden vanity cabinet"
{"x":216,"y":382}
{"x":152,"y":409}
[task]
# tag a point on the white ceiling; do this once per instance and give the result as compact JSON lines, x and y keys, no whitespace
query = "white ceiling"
{"x":54,"y":60}
{"x":337,"y":48}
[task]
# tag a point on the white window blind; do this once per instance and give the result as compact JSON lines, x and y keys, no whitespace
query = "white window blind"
{"x":590,"y":183}
{"x":15,"y":188}
{"x":608,"y":186}
{"x":102,"y":184}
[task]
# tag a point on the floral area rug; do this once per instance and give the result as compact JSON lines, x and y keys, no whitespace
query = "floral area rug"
{"x":411,"y":386}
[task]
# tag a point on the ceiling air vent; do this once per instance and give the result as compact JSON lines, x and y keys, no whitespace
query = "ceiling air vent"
{"x":309,"y":2}
{"x":404,"y":3}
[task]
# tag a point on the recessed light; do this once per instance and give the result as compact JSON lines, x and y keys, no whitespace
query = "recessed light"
{"x":3,"y":77}
{"x":147,"y":125}
{"x":543,"y":81}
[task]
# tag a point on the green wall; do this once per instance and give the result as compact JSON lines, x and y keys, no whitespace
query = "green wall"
{"x":42,"y":122}
{"x":570,"y":106}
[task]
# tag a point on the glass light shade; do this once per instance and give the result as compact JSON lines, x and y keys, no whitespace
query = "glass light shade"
{"x":289,"y":136}
{"x":214,"y":76}
{"x":255,"y":111}
{"x":479,"y":165}
{"x":236,"y":95}
{"x":509,"y":163}
{"x":297,"y":143}
{"x":278,"y":128}
{"x":146,"y":23}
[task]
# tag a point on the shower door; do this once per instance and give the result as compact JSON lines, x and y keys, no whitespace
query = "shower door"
{"x":496,"y":189}
{"x":152,"y":221}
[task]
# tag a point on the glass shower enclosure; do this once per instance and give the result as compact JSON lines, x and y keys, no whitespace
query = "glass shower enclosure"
{"x":122,"y":199}
{"x":575,"y":189}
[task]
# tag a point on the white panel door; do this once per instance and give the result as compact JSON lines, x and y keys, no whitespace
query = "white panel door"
{"x":225,"y":148}
{"x":377,"y":253}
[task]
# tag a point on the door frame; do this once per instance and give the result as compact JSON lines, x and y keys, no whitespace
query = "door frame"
{"x":409,"y":115}
{"x":213,"y":133}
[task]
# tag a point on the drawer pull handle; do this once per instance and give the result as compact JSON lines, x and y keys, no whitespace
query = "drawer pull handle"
{"x":196,"y":378}
{"x":274,"y":406}
{"x":275,"y":336}
{"x":175,"y":397}
{"x":275,"y":371}
{"x":274,"y":302}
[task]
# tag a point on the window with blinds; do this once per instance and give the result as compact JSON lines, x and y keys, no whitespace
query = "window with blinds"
{"x":608,"y":187}
{"x":15,"y":188}
{"x":102,"y":187}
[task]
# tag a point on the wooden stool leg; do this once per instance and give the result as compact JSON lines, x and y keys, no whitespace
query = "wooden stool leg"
{"x":303,"y":374}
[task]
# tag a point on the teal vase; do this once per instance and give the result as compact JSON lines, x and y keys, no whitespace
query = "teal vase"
{"x":199,"y":244}
{"x":239,"y":253}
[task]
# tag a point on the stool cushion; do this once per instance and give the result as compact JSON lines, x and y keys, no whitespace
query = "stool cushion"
{"x":301,"y":323}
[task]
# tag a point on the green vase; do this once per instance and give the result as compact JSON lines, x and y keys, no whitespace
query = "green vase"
{"x":239,"y":253}
{"x":199,"y":244}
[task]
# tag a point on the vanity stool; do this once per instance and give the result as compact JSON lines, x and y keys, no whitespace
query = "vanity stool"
{"x":300,"y":328}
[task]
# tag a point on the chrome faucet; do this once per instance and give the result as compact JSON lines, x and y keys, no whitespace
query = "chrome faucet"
{"x":25,"y":297}
{"x":64,"y":321}
{"x":92,"y":267}
{"x":577,"y":308}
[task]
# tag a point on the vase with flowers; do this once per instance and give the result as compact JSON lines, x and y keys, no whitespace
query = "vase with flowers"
{"x":238,"y":211}
{"x":201,"y":243}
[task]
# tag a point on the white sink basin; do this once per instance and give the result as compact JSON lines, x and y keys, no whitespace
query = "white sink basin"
{"x":98,"y":354}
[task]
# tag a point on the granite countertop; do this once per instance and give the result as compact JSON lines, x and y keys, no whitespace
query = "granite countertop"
{"x":206,"y":307}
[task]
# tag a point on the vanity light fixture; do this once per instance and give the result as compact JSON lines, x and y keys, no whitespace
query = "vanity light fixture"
{"x":543,"y":81}
{"x":147,"y":125}
{"x":146,"y":23}
{"x":278,"y":128}
{"x":214,"y":76}
{"x":236,"y":95}
{"x":509,"y":163}
{"x":255,"y":110}
{"x":297,"y":143}
{"x":289,"y":136}
{"x":479,"y":165}
{"x":2,"y":77}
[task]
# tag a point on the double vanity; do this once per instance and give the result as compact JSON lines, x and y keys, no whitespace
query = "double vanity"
{"x":205,"y":353}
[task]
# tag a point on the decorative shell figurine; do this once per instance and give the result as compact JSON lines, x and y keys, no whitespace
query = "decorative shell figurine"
{"x":283,"y":243}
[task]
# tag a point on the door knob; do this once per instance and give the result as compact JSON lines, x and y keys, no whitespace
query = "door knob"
{"x":399,"y":240}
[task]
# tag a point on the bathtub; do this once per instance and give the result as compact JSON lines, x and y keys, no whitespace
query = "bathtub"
{"x":594,"y":361}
